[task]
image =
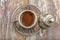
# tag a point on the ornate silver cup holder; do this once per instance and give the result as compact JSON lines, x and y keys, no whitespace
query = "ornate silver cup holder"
{"x":16,"y":23}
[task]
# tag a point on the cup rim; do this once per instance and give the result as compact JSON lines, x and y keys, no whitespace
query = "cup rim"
{"x":35,"y":19}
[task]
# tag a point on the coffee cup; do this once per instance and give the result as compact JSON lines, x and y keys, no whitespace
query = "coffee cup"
{"x":27,"y":19}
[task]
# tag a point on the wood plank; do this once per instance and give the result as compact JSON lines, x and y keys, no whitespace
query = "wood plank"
{"x":45,"y":6}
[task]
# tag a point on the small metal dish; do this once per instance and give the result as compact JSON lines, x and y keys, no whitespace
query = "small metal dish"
{"x":16,"y":23}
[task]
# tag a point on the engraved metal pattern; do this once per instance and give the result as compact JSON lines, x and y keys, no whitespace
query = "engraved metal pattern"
{"x":25,"y":31}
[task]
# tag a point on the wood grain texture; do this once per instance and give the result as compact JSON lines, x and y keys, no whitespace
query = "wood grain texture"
{"x":45,"y":6}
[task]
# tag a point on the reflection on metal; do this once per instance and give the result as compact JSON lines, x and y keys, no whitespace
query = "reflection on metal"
{"x":46,"y":20}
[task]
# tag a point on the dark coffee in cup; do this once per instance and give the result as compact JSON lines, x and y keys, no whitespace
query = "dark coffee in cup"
{"x":27,"y":19}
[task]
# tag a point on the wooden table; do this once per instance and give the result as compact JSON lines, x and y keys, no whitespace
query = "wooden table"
{"x":46,"y":6}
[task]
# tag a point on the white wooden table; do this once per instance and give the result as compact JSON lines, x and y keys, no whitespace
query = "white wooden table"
{"x":45,"y":6}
